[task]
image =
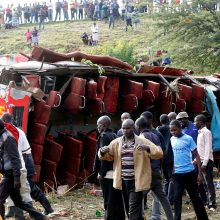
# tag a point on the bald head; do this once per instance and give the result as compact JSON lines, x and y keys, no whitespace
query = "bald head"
{"x":128,"y":128}
{"x":172,"y":116}
{"x":125,"y":116}
{"x":128,"y":123}
{"x":103,"y":123}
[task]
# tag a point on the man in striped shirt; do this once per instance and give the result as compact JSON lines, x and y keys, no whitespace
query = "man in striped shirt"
{"x":132,"y":169}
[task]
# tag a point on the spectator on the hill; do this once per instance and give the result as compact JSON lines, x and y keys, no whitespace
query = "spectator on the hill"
{"x":42,"y":17}
{"x":50,"y":11}
{"x":1,"y":16}
{"x":28,"y":36}
{"x":73,"y":9}
{"x":95,"y":33}
{"x":128,"y":22}
{"x":19,"y":11}
{"x":58,"y":7}
{"x":65,"y":10}
{"x":111,"y":18}
{"x":80,"y":12}
{"x":8,"y":13}
{"x":35,"y":39}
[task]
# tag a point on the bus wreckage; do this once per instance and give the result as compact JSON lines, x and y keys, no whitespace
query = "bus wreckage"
{"x":57,"y":98}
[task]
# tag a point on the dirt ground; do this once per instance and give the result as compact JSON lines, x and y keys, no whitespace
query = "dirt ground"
{"x":81,"y":204}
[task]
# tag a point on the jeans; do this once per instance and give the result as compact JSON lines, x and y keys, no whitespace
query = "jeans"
{"x":132,"y":200}
{"x":188,"y":181}
{"x":159,"y":197}
{"x":113,"y":204}
{"x":209,"y":186}
{"x":6,"y":189}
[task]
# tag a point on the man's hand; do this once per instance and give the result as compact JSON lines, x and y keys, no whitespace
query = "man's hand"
{"x":143,"y":147}
{"x":203,"y":168}
{"x":199,"y":179}
{"x":105,"y":150}
{"x":194,"y":162}
{"x":17,"y":184}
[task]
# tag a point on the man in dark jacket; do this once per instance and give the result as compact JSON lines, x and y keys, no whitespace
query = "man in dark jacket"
{"x":158,"y":194}
{"x":25,"y":148}
{"x":168,"y":159}
{"x":113,"y":204}
{"x":10,"y":164}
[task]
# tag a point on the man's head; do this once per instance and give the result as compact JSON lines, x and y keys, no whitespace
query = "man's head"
{"x":7,"y":117}
{"x":140,"y":124}
{"x":172,"y":116}
{"x":148,"y":117}
{"x":200,"y":121}
{"x":175,"y":128}
{"x":128,"y":127}
{"x":183,"y":118}
{"x":125,"y":116}
{"x":103,"y":123}
{"x":164,"y":119}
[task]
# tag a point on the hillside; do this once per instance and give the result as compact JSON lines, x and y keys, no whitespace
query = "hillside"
{"x":65,"y":37}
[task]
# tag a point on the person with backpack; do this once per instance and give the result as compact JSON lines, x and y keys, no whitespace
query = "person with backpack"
{"x":113,"y":204}
{"x":26,"y":156}
{"x":10,"y":166}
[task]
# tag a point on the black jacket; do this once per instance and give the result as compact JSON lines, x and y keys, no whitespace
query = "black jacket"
{"x":165,"y":131}
{"x":9,"y":155}
{"x":102,"y":166}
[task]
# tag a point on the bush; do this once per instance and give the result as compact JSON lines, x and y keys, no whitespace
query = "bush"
{"x":123,"y":51}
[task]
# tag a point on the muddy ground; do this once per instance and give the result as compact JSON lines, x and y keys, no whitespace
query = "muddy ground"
{"x":81,"y":204}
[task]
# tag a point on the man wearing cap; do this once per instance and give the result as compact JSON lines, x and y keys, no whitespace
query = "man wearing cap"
{"x":188,"y":127}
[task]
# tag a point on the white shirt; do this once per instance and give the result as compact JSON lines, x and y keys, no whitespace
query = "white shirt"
{"x":204,"y":145}
{"x":50,"y":5}
{"x":23,"y":142}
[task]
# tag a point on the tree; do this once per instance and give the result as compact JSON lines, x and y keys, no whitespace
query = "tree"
{"x":195,"y":29}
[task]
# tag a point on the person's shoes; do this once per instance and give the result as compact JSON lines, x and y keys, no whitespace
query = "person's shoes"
{"x":10,"y":212}
{"x":46,"y":204}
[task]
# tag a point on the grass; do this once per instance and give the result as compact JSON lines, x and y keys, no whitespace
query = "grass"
{"x":65,"y":36}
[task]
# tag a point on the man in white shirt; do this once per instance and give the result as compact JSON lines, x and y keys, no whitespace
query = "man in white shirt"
{"x":204,"y":147}
{"x":50,"y":11}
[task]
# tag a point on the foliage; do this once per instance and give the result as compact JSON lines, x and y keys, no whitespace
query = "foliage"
{"x":123,"y":51}
{"x":196,"y":28}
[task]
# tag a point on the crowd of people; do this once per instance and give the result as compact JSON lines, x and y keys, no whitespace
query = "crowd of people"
{"x":57,"y":10}
{"x":130,"y":163}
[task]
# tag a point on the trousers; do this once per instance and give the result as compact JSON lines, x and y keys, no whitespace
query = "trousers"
{"x":132,"y":200}
{"x":7,"y":189}
{"x":188,"y":181}
{"x":113,"y":204}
